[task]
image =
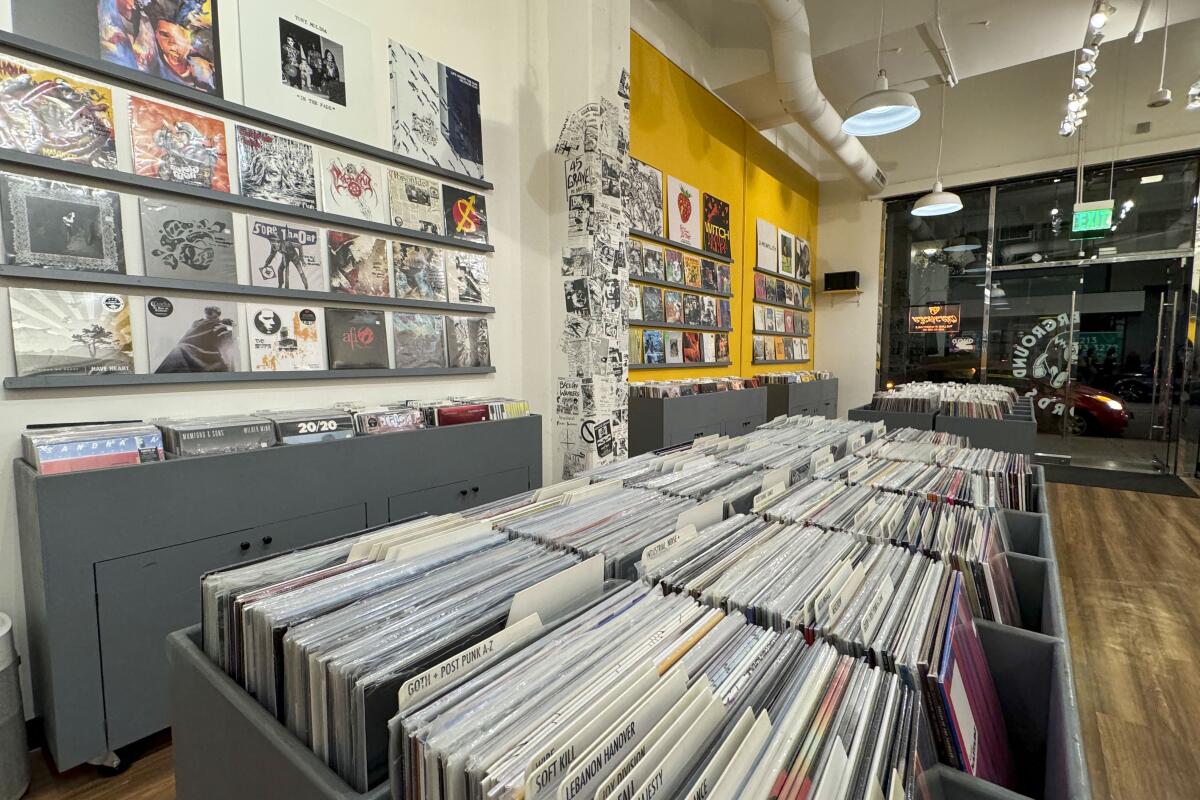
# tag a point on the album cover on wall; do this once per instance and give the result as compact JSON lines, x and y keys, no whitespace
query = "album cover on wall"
{"x":183,"y":240}
{"x":691,"y":348}
{"x":187,"y":334}
{"x":644,"y":198}
{"x":634,"y":257}
{"x":471,"y":281}
{"x":652,"y":304}
{"x":308,"y":62}
{"x":708,"y":346}
{"x":356,"y":338}
{"x":708,"y":274}
{"x":415,"y":202}
{"x":683,"y":212}
{"x":760,"y":318}
{"x":359,"y":263}
{"x":673,"y":343}
{"x":724,"y":317}
{"x":57,"y":115}
{"x":418,"y":272}
{"x":652,"y":262}
{"x":435,"y":112}
{"x":722,"y":347}
{"x":176,"y":145}
{"x":673,"y":263}
{"x":276,"y":168}
{"x":803,"y":259}
{"x":633,"y":301}
{"x":708,"y":314}
{"x":786,"y":245}
{"x":176,"y":40}
{"x":61,"y":225}
{"x":692,"y":271}
{"x":285,"y":338}
{"x":353,"y":187}
{"x":467,"y":343}
{"x":653,"y":348}
{"x":767,"y":250}
{"x":285,"y":255}
{"x":760,"y":348}
{"x":465,"y":214}
{"x":717,"y":238}
{"x":692,"y":309}
{"x":70,"y":333}
{"x":420,"y":340}
{"x":673,"y":306}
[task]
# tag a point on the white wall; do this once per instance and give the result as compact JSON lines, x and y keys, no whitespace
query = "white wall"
{"x":504,"y":46}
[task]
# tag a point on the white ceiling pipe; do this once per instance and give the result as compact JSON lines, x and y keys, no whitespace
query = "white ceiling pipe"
{"x":803,"y":99}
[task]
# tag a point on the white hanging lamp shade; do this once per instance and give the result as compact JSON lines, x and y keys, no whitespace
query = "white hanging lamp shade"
{"x":937,"y":202}
{"x":882,"y":111}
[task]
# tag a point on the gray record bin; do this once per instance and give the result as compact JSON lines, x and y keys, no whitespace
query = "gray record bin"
{"x":658,"y":422}
{"x":894,"y":419}
{"x":1016,"y":433}
{"x":814,"y":399}
{"x":112,"y":558}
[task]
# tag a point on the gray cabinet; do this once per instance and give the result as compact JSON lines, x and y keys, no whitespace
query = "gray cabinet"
{"x":812,"y":399}
{"x":112,"y":558}
{"x":658,"y":422}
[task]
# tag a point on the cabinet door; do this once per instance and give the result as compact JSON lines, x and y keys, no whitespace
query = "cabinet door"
{"x":741,"y":425}
{"x":497,"y":485}
{"x":444,"y":499}
{"x":142,"y":598}
{"x":679,"y":434}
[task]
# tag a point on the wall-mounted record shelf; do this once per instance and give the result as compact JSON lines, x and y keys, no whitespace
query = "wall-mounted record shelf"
{"x":687,"y":248}
{"x":778,"y":333}
{"x":758,"y":362}
{"x":123,"y":280}
{"x":43,"y":52}
{"x":676,"y":326}
{"x":138,"y":379}
{"x":840,"y":291}
{"x":688,"y":365}
{"x":801,"y":281}
{"x":681,"y":287}
{"x":140,"y":183}
{"x":806,"y":309}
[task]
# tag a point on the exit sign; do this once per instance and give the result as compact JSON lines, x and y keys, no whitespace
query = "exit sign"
{"x":1089,"y":217}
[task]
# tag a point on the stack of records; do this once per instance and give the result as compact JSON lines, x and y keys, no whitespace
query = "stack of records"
{"x":311,"y":425}
{"x":205,"y":436}
{"x":799,"y":376}
{"x":929,"y":437}
{"x":385,"y":419}
{"x":78,"y":448}
{"x":700,"y":479}
{"x":902,"y":400}
{"x":686,"y":388}
{"x":456,"y":411}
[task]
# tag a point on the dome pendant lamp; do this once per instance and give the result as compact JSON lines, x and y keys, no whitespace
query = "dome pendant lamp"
{"x":938,"y":202}
{"x":884,"y":110}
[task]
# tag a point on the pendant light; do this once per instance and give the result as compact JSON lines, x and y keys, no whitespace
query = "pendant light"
{"x":938,"y":202}
{"x":962,"y":244}
{"x":1162,"y":97}
{"x":884,"y":110}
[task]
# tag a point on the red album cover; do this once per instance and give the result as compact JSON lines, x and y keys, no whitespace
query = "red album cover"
{"x":176,"y":145}
{"x":458,"y":415}
{"x":691,"y":347}
{"x":85,"y":463}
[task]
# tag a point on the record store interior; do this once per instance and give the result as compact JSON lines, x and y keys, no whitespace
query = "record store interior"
{"x":599,"y":399}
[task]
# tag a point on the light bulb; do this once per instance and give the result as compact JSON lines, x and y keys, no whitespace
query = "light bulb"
{"x":1066,"y":128}
{"x":1100,"y":14}
{"x":1082,"y":82}
{"x":1086,"y":67}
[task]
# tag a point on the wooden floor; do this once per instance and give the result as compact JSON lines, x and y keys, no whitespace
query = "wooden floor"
{"x":1130,"y":567}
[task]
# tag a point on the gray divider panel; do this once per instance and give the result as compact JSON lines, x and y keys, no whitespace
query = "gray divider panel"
{"x":112,"y":558}
{"x":894,"y":419}
{"x":658,"y":422}
{"x":1012,"y":434}
{"x":816,"y":398}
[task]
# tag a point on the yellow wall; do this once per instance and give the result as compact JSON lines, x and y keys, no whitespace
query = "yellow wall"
{"x":679,"y":127}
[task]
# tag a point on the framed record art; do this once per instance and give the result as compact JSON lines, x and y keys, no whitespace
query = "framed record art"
{"x":285,"y":255}
{"x":415,"y":202}
{"x":53,"y":114}
{"x":70,"y":333}
{"x":435,"y":112}
{"x":308,"y":62}
{"x":286,"y":338}
{"x":61,"y":225}
{"x":683,"y":212}
{"x":359,"y":263}
{"x":275,"y":168}
{"x":471,"y":280}
{"x":418,"y":272}
{"x":644,"y":198}
{"x":467,"y":342}
{"x":183,"y":240}
{"x":716,"y":226}
{"x":465,"y":214}
{"x":419,"y":340}
{"x":193,"y":335}
{"x":176,"y":145}
{"x":356,"y":338}
{"x":175,"y":40}
{"x":353,"y":187}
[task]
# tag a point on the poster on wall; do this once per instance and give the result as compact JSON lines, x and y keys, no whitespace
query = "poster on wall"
{"x":177,"y":145}
{"x":644,"y":198}
{"x":275,"y":168}
{"x":716,"y":226}
{"x":309,"y":63}
{"x":189,"y":334}
{"x":353,"y":187}
{"x":934,"y":318}
{"x":60,"y":225}
{"x":768,"y":247}
{"x":435,"y":112}
{"x":683,"y":213}
{"x":802,"y":258}
{"x":175,"y":40}
{"x":787,"y":246}
{"x":70,"y":333}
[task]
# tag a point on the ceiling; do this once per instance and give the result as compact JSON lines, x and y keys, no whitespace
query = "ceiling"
{"x":983,"y":36}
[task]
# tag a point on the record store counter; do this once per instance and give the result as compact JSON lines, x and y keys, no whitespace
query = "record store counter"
{"x":112,"y":557}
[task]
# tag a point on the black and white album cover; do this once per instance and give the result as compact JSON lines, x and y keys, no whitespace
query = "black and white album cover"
{"x":471,"y":281}
{"x":276,"y":168}
{"x":692,"y":310}
{"x":187,"y":334}
{"x":418,"y":272}
{"x":652,"y":263}
{"x":70,"y":333}
{"x":803,"y":259}
{"x":465,"y":214}
{"x":353,"y":187}
{"x":644,"y":198}
{"x":415,"y":201}
{"x":285,"y":255}
{"x":182,"y":240}
{"x":420,"y":340}
{"x":652,"y":304}
{"x":61,"y":225}
{"x":285,"y":338}
{"x":435,"y":112}
{"x":467,"y":343}
{"x":357,"y":338}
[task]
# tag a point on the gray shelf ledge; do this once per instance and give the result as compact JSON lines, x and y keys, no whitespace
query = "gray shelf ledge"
{"x":757,"y":332}
{"x":801,"y":281}
{"x":759,"y":363}
{"x":43,"y":52}
{"x":137,"y":379}
{"x":680,"y":286}
{"x":676,"y":326}
{"x":120,"y":279}
{"x":689,"y":365}
{"x":805,"y":309}
{"x":687,"y":248}
{"x":139,"y":183}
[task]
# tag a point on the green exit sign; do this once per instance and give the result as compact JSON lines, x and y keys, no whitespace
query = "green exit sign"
{"x":1090,"y":217}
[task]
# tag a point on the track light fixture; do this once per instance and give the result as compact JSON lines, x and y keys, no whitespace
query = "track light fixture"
{"x":1084,"y":68}
{"x":1101,"y":12}
{"x":1193,"y":103}
{"x":1161,"y":96}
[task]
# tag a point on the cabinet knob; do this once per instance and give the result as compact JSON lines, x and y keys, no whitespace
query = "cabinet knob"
{"x":245,"y":545}
{"x":463,"y":492}
{"x":474,"y":488}
{"x":267,"y":540}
